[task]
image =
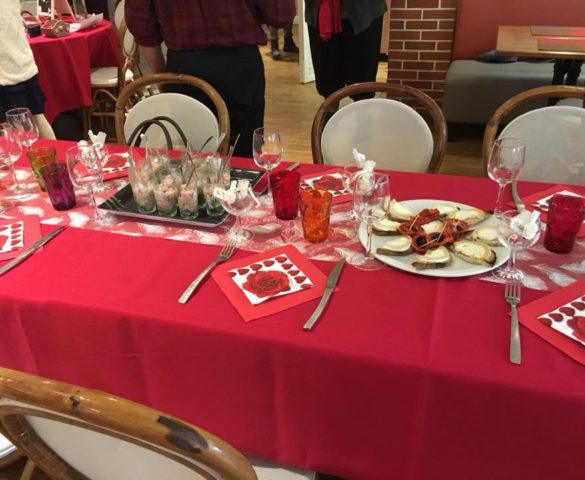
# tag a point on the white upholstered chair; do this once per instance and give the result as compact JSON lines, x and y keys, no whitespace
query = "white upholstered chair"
{"x":554,"y":136}
{"x":140,"y":101}
{"x":386,"y":130}
{"x":73,"y":434}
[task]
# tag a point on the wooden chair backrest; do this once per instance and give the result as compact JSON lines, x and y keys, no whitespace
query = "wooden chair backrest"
{"x":404,"y":92}
{"x":551,"y":91}
{"x":27,"y":401}
{"x":129,"y":93}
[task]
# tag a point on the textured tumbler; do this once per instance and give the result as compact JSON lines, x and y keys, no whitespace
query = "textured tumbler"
{"x":315,"y":210}
{"x":285,"y":193}
{"x":565,"y":217}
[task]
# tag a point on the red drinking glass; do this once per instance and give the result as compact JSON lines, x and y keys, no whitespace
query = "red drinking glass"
{"x":565,"y":217}
{"x":285,"y":193}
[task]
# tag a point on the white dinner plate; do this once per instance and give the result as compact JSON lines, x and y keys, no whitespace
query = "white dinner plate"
{"x":458,"y":267}
{"x":6,"y":448}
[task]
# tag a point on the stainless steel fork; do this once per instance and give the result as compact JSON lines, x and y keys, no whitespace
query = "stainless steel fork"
{"x":226,"y":252}
{"x":512,"y":294}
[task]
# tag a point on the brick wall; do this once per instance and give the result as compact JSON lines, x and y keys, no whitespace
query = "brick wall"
{"x":421,"y":39}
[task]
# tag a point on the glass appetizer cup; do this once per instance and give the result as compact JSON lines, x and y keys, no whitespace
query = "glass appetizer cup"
{"x":166,"y":194}
{"x":213,"y":205}
{"x":188,"y":201}
{"x":142,"y":185}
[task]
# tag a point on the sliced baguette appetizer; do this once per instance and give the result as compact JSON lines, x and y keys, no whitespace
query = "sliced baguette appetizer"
{"x":444,"y":209}
{"x":477,"y":253}
{"x":436,"y":258}
{"x":487,"y":235}
{"x":436,"y":226}
{"x":398,"y":212}
{"x":397,"y":246}
{"x":471,"y":216}
{"x":386,"y":227}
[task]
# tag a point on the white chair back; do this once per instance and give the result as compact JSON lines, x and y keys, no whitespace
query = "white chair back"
{"x":389,"y":132}
{"x":6,"y":448}
{"x":555,"y":144}
{"x":102,"y":457}
{"x":119,"y":14}
{"x":195,"y":119}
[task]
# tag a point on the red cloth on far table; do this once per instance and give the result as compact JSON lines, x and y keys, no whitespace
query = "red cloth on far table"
{"x":65,"y":64}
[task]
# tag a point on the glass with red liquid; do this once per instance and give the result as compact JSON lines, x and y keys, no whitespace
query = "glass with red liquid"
{"x":565,"y":217}
{"x":285,"y":194}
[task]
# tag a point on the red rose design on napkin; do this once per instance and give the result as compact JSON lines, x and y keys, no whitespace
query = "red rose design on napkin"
{"x":578,"y":325}
{"x":328,"y":182}
{"x":267,"y":284}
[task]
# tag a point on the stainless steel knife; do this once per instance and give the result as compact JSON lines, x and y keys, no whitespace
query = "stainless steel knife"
{"x":291,"y":167}
{"x":22,"y":256}
{"x":329,"y":287}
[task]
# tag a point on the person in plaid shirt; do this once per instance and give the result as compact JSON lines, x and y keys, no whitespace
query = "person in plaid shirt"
{"x":217,"y":41}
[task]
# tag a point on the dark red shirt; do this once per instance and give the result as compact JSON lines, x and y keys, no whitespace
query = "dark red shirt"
{"x":194,"y":24}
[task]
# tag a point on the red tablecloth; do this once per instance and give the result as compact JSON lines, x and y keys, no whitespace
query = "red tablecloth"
{"x":405,"y":377}
{"x":64,"y":65}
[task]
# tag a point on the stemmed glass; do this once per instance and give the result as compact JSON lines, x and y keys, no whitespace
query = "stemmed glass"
{"x":504,"y":165}
{"x":10,"y":151}
{"x":515,"y":232}
{"x":85,"y":169}
{"x":267,"y":151}
{"x":22,"y":121}
{"x":369,"y":192}
{"x":238,"y":206}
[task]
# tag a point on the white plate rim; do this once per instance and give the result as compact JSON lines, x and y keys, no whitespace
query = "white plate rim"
{"x":458,"y":269}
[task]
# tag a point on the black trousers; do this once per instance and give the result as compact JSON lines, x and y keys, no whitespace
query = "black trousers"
{"x":345,"y":58}
{"x":237,"y":73}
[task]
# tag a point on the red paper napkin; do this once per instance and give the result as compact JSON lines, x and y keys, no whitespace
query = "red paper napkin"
{"x":539,"y":200}
{"x":17,"y":234}
{"x":116,"y":166}
{"x":559,"y":318}
{"x":269,"y":282}
{"x":332,"y":181}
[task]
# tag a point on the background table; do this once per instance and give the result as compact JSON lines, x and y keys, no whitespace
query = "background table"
{"x":64,"y":65}
{"x":405,"y":377}
{"x":519,"y":41}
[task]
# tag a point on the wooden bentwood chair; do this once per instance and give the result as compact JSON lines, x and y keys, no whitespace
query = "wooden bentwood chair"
{"x":386,"y":130}
{"x":141,"y":100}
{"x":80,"y":434}
{"x":554,"y":136}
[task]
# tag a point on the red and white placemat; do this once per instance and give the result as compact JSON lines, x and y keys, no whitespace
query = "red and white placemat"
{"x":269,"y":282}
{"x":559,"y":318}
{"x":17,"y":234}
{"x":332,"y":181}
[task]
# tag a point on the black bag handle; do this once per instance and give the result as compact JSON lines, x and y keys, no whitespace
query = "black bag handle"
{"x":142,"y":127}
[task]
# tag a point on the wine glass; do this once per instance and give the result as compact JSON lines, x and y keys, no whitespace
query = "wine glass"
{"x":10,"y":151}
{"x":267,"y":151}
{"x":504,"y":165}
{"x":22,"y":121}
{"x":238,"y":206}
{"x":85,"y":169}
{"x":369,"y":192}
{"x":517,"y":231}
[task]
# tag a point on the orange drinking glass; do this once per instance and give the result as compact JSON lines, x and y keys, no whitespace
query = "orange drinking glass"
{"x":315,"y":211}
{"x":39,"y":157}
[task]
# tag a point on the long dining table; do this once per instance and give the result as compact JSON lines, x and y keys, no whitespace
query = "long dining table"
{"x":405,"y":377}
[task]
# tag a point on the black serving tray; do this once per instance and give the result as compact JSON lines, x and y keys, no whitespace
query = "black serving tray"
{"x":122,"y":204}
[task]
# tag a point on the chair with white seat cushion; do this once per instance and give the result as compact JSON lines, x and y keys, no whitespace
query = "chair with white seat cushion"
{"x":141,"y":100}
{"x":73,"y":433}
{"x":554,"y":136}
{"x":386,"y":130}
